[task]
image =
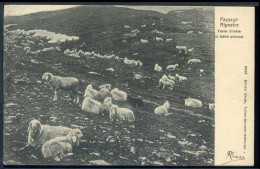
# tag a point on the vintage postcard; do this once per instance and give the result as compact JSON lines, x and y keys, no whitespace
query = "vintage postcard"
{"x":128,"y":85}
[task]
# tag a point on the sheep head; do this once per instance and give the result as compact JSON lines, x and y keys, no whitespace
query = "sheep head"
{"x":89,"y":86}
{"x":74,"y":136}
{"x":34,"y":129}
{"x":113,"y":112}
{"x":47,"y":76}
{"x":87,"y":94}
{"x":108,"y":100}
{"x":167,"y":105}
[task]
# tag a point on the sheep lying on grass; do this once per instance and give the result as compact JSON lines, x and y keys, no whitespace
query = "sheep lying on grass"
{"x":60,"y":147}
{"x":121,"y":114}
{"x":157,"y":68}
{"x":92,"y":91}
{"x":194,"y":103}
{"x":118,"y":95}
{"x":90,"y":105}
{"x":162,"y":110}
{"x":192,"y":61}
{"x":107,"y":104}
{"x":38,"y":134}
{"x":57,"y":83}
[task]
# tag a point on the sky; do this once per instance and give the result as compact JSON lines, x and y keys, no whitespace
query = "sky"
{"x":16,"y":10}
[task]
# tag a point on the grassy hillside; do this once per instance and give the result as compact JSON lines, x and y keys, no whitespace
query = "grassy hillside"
{"x":185,"y":137}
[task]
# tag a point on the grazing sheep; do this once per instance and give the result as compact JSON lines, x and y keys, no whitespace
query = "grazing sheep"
{"x":57,"y":83}
{"x":104,"y":93}
{"x":181,"y":78}
{"x":126,"y":26}
{"x":190,"y":51}
{"x":194,"y":103}
{"x":130,"y":62}
{"x":90,"y":105}
{"x":199,"y":32}
{"x":168,"y":40}
{"x":143,"y":41}
{"x":135,"y":101}
{"x":212,"y":106}
{"x":92,"y":91}
{"x":108,"y":86}
{"x":38,"y":134}
{"x":190,"y":32}
{"x":157,"y":68}
{"x":107,"y":104}
{"x":118,"y":95}
{"x":162,"y":110}
{"x":182,"y":48}
{"x":121,"y":114}
{"x":110,"y":69}
{"x":166,"y":83}
{"x":143,"y":26}
{"x":172,"y":67}
{"x":192,"y":61}
{"x":158,"y":39}
{"x":60,"y":147}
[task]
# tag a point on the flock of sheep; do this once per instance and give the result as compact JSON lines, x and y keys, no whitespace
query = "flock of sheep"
{"x":58,"y":142}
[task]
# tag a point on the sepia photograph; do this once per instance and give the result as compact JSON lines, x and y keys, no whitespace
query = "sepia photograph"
{"x":109,"y":85}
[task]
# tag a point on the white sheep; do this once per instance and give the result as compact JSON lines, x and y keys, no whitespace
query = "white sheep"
{"x":199,"y":32}
{"x":190,"y":32}
{"x":193,"y":61}
{"x":38,"y":134}
{"x":143,"y":26}
{"x":126,"y":26}
{"x":194,"y":103}
{"x":74,"y":55}
{"x":80,"y":53}
{"x":143,"y":41}
{"x":107,"y":104}
{"x":166,"y":83}
{"x":172,"y":67}
{"x":162,"y":110}
{"x":165,"y":78}
{"x":30,"y":42}
{"x":157,"y":32}
{"x":140,"y":63}
{"x":181,"y":78}
{"x":182,"y":48}
{"x":92,"y":91}
{"x":157,"y":68}
{"x":118,"y":94}
{"x":158,"y":39}
{"x":168,"y":40}
{"x":90,"y":105}
{"x":64,"y":83}
{"x":212,"y":106}
{"x":121,"y":114}
{"x":190,"y":51}
{"x":60,"y":147}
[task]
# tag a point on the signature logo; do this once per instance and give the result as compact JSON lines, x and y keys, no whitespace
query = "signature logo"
{"x":232,"y":156}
